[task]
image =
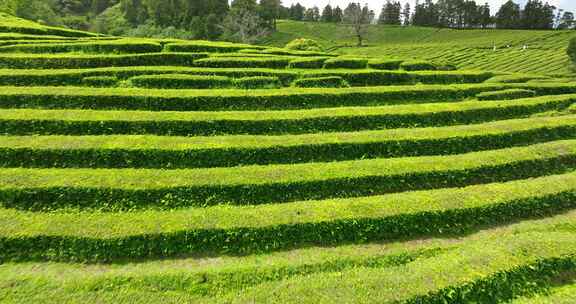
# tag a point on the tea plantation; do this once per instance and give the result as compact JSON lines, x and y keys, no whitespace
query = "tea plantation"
{"x":169,"y":171}
{"x":515,"y":51}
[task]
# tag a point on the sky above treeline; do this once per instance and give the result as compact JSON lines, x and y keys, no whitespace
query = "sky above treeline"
{"x":377,"y":4}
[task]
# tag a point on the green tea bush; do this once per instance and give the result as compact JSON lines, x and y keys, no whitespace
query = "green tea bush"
{"x":321,"y":82}
{"x":239,"y":62}
{"x":303,"y":44}
{"x":385,"y":64}
{"x":418,"y":66}
{"x":515,"y":78}
{"x":308,"y":63}
{"x":127,"y":47}
{"x":284,"y":52}
{"x":346,"y":63}
{"x":180,"y":81}
{"x":258,"y":82}
{"x":95,"y":61}
{"x":100,"y":81}
{"x":506,"y":94}
{"x":209,"y":47}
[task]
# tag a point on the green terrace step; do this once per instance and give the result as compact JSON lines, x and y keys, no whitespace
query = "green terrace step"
{"x":502,"y":257}
{"x":72,"y":77}
{"x":93,"y":122}
{"x":228,"y":151}
{"x":62,"y":77}
{"x":73,"y":61}
{"x":126,"y":46}
{"x":122,"y":189}
{"x":211,"y":100}
{"x":103,"y":236}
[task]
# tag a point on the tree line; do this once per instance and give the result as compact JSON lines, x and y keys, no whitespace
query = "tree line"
{"x":249,"y":20}
{"x":536,"y":14}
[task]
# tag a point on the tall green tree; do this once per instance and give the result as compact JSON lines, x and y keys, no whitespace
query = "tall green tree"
{"x":509,"y":16}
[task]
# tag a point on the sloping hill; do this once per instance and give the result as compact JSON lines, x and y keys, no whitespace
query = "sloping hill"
{"x":469,"y":49}
{"x":168,"y":171}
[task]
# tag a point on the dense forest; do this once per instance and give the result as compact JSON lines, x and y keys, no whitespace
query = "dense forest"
{"x":248,"y":20}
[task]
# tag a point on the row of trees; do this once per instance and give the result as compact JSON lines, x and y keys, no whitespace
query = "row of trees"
{"x":536,"y":14}
{"x":248,"y":20}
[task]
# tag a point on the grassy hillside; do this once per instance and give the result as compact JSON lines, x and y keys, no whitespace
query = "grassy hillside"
{"x":171,"y":171}
{"x":469,"y":49}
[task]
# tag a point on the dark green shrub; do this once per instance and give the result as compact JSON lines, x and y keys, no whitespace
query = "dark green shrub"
{"x":418,"y":66}
{"x":346,"y":63}
{"x":506,"y":94}
{"x":308,"y":63}
{"x":240,"y":62}
{"x":258,"y":82}
{"x":321,"y":82}
{"x":385,"y":64}
{"x":303,"y":44}
{"x":100,"y":81}
{"x":367,"y":78}
{"x":180,"y":81}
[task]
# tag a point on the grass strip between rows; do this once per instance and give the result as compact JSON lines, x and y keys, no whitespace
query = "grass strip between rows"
{"x":121,"y":189}
{"x":293,"y":98}
{"x":228,"y":151}
{"x":97,"y":236}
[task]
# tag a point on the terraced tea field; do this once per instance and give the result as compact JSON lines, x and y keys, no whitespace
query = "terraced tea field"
{"x":468,"y":49}
{"x":169,"y":171}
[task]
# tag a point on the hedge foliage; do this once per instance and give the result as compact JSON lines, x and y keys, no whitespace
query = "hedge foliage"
{"x":154,"y":152}
{"x":303,"y":44}
{"x":100,"y":81}
{"x":484,"y":205}
{"x":321,"y":82}
{"x":180,"y":81}
{"x":99,"y":47}
{"x":506,"y":94}
{"x":257,"y":82}
{"x":346,"y":63}
{"x":73,"y":77}
{"x":96,"y":61}
{"x":133,"y":189}
{"x":89,"y":122}
{"x":241,"y":62}
{"x":209,"y":47}
{"x":515,"y":78}
{"x":385,"y":64}
{"x":287,"y":98}
{"x":418,"y":66}
{"x":308,"y":63}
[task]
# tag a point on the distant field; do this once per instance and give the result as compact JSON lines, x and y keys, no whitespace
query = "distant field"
{"x":469,"y":49}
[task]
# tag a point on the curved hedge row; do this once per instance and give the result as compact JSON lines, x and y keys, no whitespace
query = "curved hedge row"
{"x":506,"y":94}
{"x":180,"y":81}
{"x":170,"y":152}
{"x":98,"y":47}
{"x":89,"y":122}
{"x":125,"y":189}
{"x":355,"y":78}
{"x":321,"y":82}
{"x":248,"y":230}
{"x":73,"y":77}
{"x":289,"y":98}
{"x":95,"y":61}
{"x":241,"y":62}
{"x":209,"y":47}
